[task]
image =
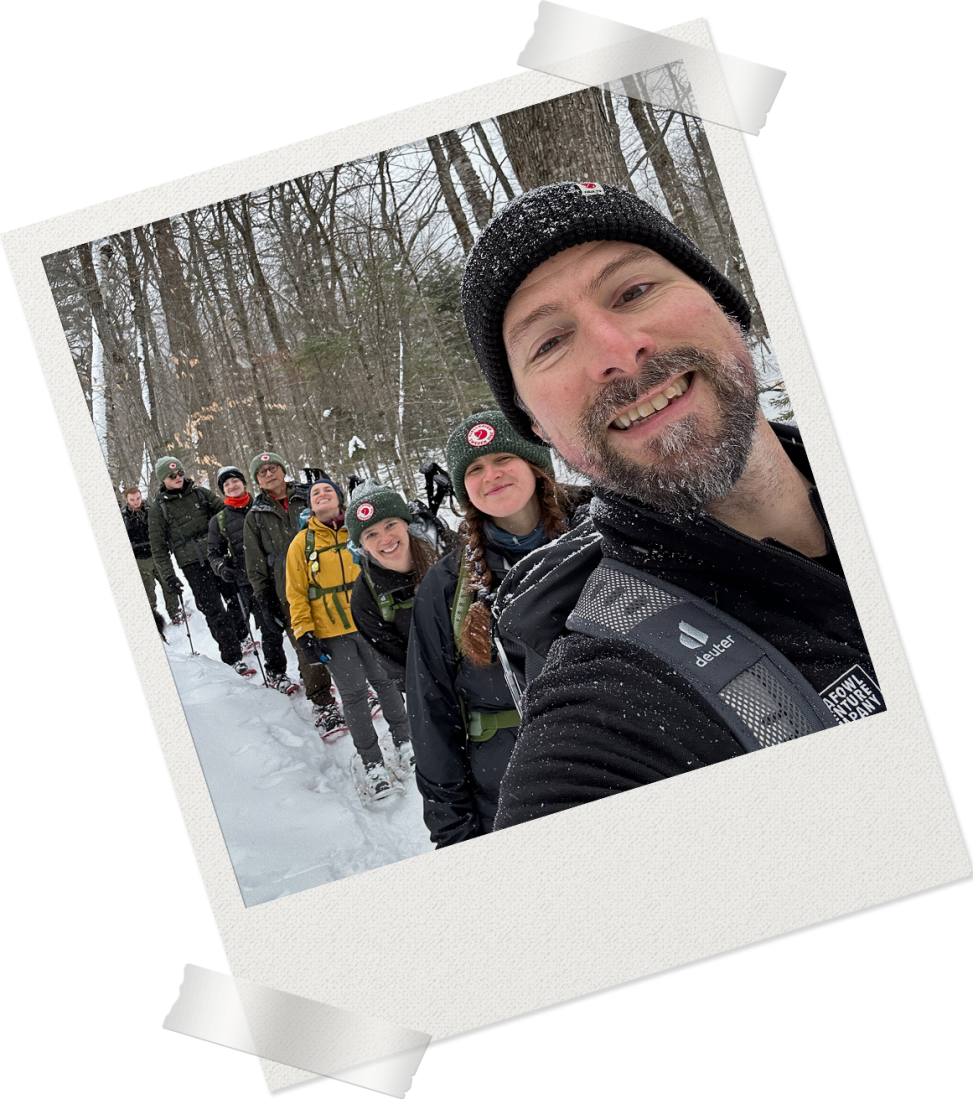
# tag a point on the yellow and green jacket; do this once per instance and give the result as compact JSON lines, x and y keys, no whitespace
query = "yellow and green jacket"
{"x":320,"y":575}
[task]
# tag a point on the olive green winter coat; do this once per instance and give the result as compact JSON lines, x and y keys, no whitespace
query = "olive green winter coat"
{"x":267,"y":533}
{"x":178,"y":524}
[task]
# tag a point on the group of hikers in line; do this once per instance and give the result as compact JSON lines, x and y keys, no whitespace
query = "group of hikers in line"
{"x":699,"y":611}
{"x":370,"y":595}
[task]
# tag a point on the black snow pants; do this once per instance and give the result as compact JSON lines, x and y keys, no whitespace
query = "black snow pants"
{"x":209,"y":599}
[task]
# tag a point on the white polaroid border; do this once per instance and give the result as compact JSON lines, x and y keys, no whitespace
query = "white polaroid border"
{"x":517,"y":920}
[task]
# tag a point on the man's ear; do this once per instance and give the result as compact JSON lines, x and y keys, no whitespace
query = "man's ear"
{"x":539,"y":431}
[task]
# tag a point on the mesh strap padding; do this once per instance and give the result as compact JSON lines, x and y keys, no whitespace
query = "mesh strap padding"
{"x":764,"y":706}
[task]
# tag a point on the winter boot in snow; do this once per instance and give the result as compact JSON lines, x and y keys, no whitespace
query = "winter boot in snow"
{"x":402,"y":762}
{"x":250,"y":646}
{"x":178,"y":617}
{"x":282,"y":683}
{"x":372,"y":781}
{"x":242,"y":668}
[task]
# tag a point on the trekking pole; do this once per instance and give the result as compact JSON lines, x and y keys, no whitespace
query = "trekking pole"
{"x":185,"y":619}
{"x":256,"y":651}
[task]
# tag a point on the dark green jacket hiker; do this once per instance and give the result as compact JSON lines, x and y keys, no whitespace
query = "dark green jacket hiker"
{"x":268,"y":531}
{"x":178,"y":524}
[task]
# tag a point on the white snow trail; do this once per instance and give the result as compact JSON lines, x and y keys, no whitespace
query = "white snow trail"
{"x":285,"y":800}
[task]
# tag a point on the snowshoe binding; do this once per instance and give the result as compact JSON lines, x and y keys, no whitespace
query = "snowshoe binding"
{"x":372,"y":781}
{"x":178,"y":617}
{"x":283,"y":683}
{"x":330,"y":724}
{"x":250,"y":646}
{"x":402,"y":761}
{"x":241,"y":667}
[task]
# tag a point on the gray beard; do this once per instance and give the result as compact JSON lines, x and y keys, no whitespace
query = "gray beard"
{"x":682,"y":468}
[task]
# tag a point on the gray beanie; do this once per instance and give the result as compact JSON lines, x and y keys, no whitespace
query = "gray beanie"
{"x":164,"y":467}
{"x":540,"y":224}
{"x":370,"y":503}
{"x":268,"y":457}
{"x":489,"y":433}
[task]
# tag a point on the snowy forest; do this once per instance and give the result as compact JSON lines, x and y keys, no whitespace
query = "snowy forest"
{"x":320,"y":317}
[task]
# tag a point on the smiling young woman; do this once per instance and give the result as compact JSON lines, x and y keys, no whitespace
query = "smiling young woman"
{"x":321,"y":572}
{"x":394,"y":560}
{"x":462,"y":717}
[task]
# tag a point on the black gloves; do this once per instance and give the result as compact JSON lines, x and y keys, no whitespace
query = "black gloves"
{"x":174,"y":584}
{"x":314,"y":647}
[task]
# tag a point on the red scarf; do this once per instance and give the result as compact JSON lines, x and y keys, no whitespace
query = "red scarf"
{"x":237,"y":501}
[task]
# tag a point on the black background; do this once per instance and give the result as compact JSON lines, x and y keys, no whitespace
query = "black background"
{"x":828,"y":169}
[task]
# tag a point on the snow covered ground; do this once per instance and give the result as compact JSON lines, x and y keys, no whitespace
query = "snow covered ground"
{"x":289,"y":813}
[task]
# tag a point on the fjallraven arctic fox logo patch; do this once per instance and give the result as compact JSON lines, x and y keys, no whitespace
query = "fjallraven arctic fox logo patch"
{"x":481,"y":434}
{"x":364,"y":511}
{"x":588,"y":187}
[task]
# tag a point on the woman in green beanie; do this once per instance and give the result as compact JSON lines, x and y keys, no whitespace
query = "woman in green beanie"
{"x":394,"y":560}
{"x":463,"y":719}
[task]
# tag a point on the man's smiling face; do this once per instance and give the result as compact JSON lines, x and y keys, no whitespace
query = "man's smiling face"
{"x":633,"y":372}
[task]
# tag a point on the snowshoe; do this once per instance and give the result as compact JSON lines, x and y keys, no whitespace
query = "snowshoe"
{"x":372,"y":781}
{"x":402,"y":762}
{"x":250,"y":646}
{"x":283,"y":683}
{"x":331,"y":725}
{"x":241,"y":667}
{"x":178,"y":618}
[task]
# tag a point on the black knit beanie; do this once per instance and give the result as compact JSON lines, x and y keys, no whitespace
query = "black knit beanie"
{"x":370,"y":503}
{"x":489,"y":433}
{"x":225,"y":473}
{"x":540,"y":224}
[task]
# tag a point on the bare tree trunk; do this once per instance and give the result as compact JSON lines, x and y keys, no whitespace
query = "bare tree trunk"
{"x":186,"y":345}
{"x":453,"y":204}
{"x":654,"y":139}
{"x":566,"y":138}
{"x":108,"y":358}
{"x":492,"y":157}
{"x":472,"y":186}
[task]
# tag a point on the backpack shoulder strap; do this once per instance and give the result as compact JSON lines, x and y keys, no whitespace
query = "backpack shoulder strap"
{"x":757,"y":691}
{"x":221,"y":523}
{"x":385,"y":602}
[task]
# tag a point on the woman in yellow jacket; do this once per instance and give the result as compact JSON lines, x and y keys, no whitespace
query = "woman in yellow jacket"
{"x":321,"y":572}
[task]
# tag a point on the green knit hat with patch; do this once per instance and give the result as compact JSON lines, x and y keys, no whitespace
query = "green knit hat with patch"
{"x":168,"y":465}
{"x":370,"y":503}
{"x":489,"y":433}
{"x":262,"y":459}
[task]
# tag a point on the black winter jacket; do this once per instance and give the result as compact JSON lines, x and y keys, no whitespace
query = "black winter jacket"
{"x":389,"y":639}
{"x":459,"y":779}
{"x":137,"y":528}
{"x":606,"y":716}
{"x":225,"y":554}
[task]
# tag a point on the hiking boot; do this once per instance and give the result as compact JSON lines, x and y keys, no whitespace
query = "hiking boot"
{"x":241,"y":667}
{"x":373,"y":781}
{"x":402,"y":763}
{"x":282,"y":683}
{"x":250,"y":646}
{"x":177,"y":618}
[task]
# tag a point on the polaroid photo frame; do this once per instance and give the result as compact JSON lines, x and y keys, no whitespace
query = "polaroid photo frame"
{"x":910,"y":844}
